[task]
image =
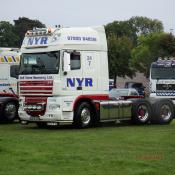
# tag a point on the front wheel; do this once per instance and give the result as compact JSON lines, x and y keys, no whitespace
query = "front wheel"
{"x":10,"y":111}
{"x":83,"y":115}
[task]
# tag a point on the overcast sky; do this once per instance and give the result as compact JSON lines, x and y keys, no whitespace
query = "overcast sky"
{"x":88,"y":12}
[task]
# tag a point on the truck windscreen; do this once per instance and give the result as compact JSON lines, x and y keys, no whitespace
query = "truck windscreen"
{"x":40,"y":63}
{"x":163,"y":72}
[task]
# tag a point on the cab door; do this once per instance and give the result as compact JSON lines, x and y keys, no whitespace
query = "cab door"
{"x":72,"y":73}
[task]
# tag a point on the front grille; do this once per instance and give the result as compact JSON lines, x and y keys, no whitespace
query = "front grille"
{"x":165,"y":89}
{"x":36,"y":88}
{"x":170,"y":87}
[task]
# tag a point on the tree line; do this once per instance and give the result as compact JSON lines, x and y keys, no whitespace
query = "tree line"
{"x":132,"y":44}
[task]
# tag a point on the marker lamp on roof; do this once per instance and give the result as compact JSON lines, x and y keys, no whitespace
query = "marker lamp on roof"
{"x":49,"y":30}
{"x":39,"y":31}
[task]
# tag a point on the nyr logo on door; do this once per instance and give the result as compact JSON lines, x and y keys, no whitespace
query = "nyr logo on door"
{"x":79,"y":82}
{"x":39,"y":40}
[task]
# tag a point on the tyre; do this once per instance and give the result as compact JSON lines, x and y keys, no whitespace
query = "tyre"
{"x":163,"y":112}
{"x":83,"y":116}
{"x":10,"y":111}
{"x":141,"y":111}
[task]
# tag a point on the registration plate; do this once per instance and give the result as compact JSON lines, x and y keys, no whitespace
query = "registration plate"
{"x":34,"y":119}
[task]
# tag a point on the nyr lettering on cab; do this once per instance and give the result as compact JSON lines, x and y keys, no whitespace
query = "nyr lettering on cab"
{"x":41,"y":40}
{"x":79,"y":82}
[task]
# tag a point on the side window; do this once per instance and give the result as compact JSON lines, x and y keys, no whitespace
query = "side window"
{"x":14,"y":71}
{"x":134,"y":93}
{"x":75,"y":60}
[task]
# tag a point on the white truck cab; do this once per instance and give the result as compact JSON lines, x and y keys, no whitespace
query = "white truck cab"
{"x":9,"y":66}
{"x":162,"y":79}
{"x":64,"y":79}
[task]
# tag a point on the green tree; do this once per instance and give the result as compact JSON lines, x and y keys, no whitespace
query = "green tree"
{"x":121,"y":29}
{"x":23,"y":24}
{"x":119,"y":50}
{"x":8,"y":38}
{"x":150,"y":48}
{"x":144,"y":25}
{"x":134,"y":27}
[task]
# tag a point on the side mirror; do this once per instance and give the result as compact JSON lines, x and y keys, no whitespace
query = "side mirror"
{"x":66,"y":62}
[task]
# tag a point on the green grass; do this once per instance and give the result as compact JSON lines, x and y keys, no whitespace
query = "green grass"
{"x":108,"y":150}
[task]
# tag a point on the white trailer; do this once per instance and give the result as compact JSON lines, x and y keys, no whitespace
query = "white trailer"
{"x":64,"y":79}
{"x":9,"y":66}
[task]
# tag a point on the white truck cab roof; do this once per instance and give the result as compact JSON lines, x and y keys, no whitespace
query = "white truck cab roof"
{"x":81,"y":38}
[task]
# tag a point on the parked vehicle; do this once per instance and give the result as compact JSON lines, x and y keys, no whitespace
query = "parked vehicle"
{"x":162,"y":79}
{"x":8,"y":107}
{"x":124,"y":93}
{"x":136,"y":85}
{"x":64,"y":79}
{"x":9,"y":66}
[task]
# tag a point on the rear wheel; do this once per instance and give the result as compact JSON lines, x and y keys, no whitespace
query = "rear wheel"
{"x":163,"y":112}
{"x":10,"y":111}
{"x":141,"y":112}
{"x":83,"y":115}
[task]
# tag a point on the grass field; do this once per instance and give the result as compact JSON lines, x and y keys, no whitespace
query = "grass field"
{"x":109,"y":149}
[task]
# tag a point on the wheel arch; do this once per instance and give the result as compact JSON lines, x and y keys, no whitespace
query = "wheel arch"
{"x":9,"y":99}
{"x":89,"y":99}
{"x":80,"y":100}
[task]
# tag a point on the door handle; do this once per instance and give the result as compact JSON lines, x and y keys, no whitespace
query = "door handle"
{"x":79,"y":88}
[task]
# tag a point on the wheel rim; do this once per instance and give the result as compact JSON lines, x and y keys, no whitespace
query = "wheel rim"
{"x":10,"y":111}
{"x":165,"y":112}
{"x":143,"y":112}
{"x":85,"y":116}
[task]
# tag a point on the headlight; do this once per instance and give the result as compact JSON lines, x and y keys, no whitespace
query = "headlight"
{"x":39,"y":107}
{"x":29,"y":107}
{"x":53,"y":107}
{"x":34,"y":107}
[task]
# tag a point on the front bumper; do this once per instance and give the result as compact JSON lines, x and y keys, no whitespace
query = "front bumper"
{"x":48,"y":117}
{"x":54,"y":111}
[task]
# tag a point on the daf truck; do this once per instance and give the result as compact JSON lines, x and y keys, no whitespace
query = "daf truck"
{"x":64,"y":79}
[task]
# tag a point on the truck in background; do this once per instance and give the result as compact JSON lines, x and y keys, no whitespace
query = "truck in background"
{"x":64,"y":79}
{"x":9,"y":67}
{"x":162,"y":79}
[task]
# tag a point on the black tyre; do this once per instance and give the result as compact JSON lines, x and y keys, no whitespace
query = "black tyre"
{"x":141,"y":111}
{"x":83,"y":116}
{"x":10,"y":111}
{"x":163,"y":112}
